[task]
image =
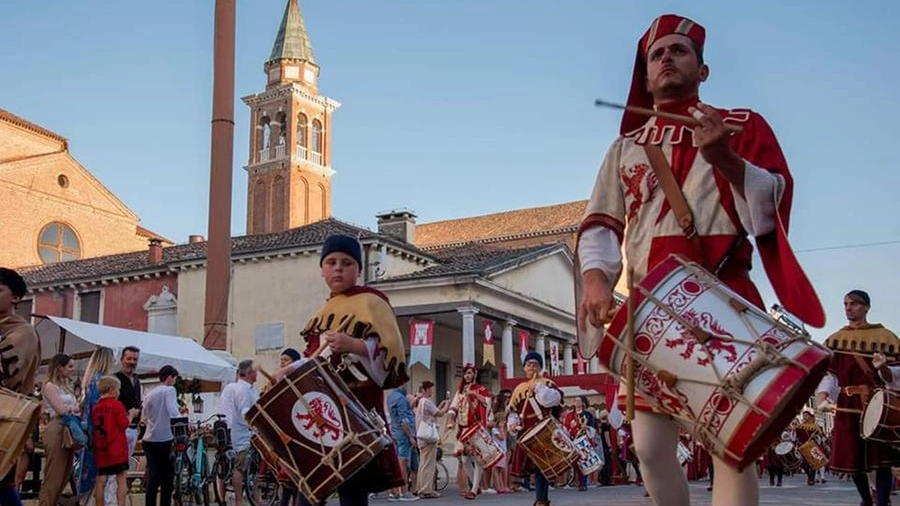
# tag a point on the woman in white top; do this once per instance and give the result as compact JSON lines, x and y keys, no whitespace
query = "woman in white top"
{"x":426,"y":412}
{"x":58,"y":400}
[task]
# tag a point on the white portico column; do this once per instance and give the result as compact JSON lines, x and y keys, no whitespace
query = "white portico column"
{"x":567,"y":359}
{"x":468,"y":334}
{"x":540,"y":346}
{"x":507,"y":345}
{"x":594,"y":365}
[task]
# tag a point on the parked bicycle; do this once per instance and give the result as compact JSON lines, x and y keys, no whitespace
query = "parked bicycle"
{"x":192,"y":476}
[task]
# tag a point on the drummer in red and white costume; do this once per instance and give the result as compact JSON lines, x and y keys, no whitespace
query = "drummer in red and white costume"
{"x":525,"y":414}
{"x":470,"y":407}
{"x":736,"y":185}
{"x":578,"y":422}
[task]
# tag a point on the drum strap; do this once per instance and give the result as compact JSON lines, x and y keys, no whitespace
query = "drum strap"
{"x":675,"y":197}
{"x":870,"y":375}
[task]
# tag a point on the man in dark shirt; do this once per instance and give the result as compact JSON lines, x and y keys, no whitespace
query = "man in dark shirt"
{"x":130,"y":397}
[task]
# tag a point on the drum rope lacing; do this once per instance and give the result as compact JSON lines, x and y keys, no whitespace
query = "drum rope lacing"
{"x":732,"y":386}
{"x":333,"y":458}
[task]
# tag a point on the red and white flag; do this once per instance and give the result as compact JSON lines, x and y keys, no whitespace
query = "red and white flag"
{"x":554,"y":358}
{"x":421,"y":337}
{"x":524,"y":337}
{"x":487,"y":352}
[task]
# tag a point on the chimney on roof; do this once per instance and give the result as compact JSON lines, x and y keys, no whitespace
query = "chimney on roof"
{"x":155,"y":250}
{"x":195,"y":238}
{"x":398,"y":223}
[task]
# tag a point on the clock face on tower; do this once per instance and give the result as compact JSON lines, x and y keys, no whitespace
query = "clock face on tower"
{"x":309,"y":75}
{"x":274,"y":74}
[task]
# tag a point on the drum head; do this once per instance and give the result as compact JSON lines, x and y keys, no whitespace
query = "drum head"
{"x":784,"y":447}
{"x":871,"y":418}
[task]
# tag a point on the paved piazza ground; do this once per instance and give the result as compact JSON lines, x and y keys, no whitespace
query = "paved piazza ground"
{"x":795,"y":492}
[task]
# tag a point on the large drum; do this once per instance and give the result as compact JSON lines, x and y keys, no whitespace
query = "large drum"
{"x":881,"y":418}
{"x":589,"y":460}
{"x":477,"y":441}
{"x":548,"y":445}
{"x":316,"y":428}
{"x":724,"y":369}
{"x":18,"y":416}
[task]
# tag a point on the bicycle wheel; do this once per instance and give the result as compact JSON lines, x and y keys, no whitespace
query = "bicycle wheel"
{"x":184,"y":491}
{"x":260,"y":484}
{"x":441,"y":476}
{"x":220,"y":477}
{"x":205,"y":479}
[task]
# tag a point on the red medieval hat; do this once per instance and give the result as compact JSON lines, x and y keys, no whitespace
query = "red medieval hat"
{"x":666,"y":24}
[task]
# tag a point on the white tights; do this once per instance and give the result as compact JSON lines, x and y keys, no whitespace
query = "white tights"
{"x":655,"y":441}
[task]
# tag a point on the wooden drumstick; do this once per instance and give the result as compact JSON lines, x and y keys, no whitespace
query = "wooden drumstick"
{"x":687,"y":120}
{"x":629,"y":371}
{"x":266,"y":375}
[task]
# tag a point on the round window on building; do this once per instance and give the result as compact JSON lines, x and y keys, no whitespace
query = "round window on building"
{"x":62,"y":180}
{"x":58,"y":243}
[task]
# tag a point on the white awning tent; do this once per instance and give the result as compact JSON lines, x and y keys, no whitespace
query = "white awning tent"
{"x":79,"y":339}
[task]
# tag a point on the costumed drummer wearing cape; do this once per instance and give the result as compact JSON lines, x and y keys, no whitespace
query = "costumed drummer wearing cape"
{"x":736,"y":185}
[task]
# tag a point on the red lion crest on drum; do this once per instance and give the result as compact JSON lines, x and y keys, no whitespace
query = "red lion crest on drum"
{"x":317,"y":419}
{"x":717,"y":345}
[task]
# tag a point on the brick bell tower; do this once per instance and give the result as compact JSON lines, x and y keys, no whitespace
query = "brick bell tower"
{"x":289,"y":170}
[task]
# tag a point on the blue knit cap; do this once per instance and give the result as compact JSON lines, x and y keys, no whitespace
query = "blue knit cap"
{"x":533,"y":355}
{"x":344,"y":244}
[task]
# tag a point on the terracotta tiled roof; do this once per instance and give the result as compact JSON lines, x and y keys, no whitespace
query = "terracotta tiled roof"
{"x":478,"y":259}
{"x":126,"y":264}
{"x":496,"y":227}
{"x":24,"y":123}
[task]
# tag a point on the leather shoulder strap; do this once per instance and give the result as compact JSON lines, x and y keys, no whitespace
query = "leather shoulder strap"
{"x":673,"y":194}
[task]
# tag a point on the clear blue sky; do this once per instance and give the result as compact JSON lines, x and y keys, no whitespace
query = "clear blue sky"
{"x":465,"y":107}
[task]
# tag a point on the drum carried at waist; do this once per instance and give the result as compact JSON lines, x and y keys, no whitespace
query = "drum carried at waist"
{"x":550,"y":448}
{"x":726,"y":371}
{"x":787,"y":454}
{"x":18,"y":417}
{"x":589,"y":460}
{"x":479,"y":443}
{"x":814,"y":454}
{"x":881,"y":417}
{"x":314,"y":426}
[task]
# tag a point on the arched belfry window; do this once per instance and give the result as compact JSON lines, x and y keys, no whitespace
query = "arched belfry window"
{"x":58,"y":242}
{"x":263,"y":139}
{"x":317,"y":141}
{"x":302,"y":137}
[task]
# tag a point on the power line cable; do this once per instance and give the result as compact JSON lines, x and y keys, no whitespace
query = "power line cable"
{"x":849,"y":246}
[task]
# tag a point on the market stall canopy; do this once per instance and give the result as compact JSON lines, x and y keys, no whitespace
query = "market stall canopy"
{"x":62,"y":335}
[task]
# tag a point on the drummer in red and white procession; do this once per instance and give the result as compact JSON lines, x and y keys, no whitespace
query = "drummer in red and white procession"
{"x":374,"y":348}
{"x":735,"y":185}
{"x":470,"y":407}
{"x":522,"y":417}
{"x":853,"y":376}
{"x":808,"y":429}
{"x":578,"y":422}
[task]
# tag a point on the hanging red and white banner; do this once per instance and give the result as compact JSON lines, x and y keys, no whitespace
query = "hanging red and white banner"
{"x":524,"y":337}
{"x":554,"y":358}
{"x":487,"y":352}
{"x":581,"y":361}
{"x":421,"y":337}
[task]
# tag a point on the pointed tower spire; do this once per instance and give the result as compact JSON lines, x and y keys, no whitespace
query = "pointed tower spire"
{"x":292,"y":41}
{"x":292,"y":59}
